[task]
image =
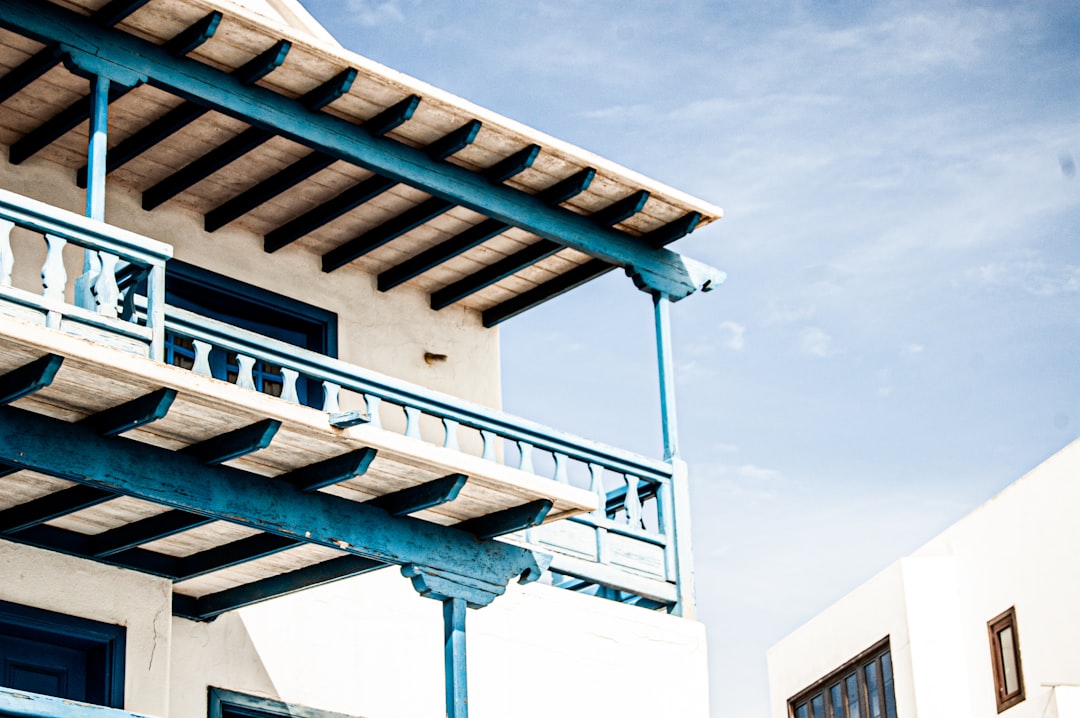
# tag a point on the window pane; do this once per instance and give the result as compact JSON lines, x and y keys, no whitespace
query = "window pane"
{"x":1008,"y":659}
{"x":818,"y":705}
{"x":836,"y":698}
{"x":801,"y":711}
{"x":889,"y":690}
{"x":852,"y":683}
{"x":873,"y":690}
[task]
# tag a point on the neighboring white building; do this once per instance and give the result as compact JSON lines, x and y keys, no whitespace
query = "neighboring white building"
{"x":250,"y":419}
{"x":981,"y":620}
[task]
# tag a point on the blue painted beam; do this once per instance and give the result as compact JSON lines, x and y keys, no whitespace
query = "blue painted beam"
{"x":506,"y":267}
{"x":71,"y":543}
{"x":422,"y":496}
{"x":454,"y":658}
{"x":29,"y":378}
{"x":116,"y":11}
{"x":184,"y":114}
{"x":354,"y":196}
{"x":515,"y":518}
{"x":303,"y":168}
{"x":672,"y":230}
{"x":238,"y":146}
{"x":152,"y":528}
{"x":234,"y":444}
{"x":421,"y":213}
{"x":151,"y":473}
{"x":205,"y":608}
{"x":479,"y":233}
{"x":132,"y":414}
{"x":79,"y":111}
{"x":548,"y":290}
{"x":331,"y":471}
{"x":51,"y":506}
{"x":233,"y":553}
{"x":16,"y":703}
{"x":653,"y":269}
{"x":621,"y":210}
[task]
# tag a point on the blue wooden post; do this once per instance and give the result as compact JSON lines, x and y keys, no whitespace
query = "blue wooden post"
{"x":677,"y":498}
{"x":457,"y":693}
{"x":95,"y":185}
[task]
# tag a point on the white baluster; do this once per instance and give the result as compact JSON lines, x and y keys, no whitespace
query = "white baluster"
{"x":331,"y":392}
{"x":7,"y":257}
{"x":105,"y":289}
{"x":371,"y":406}
{"x":412,"y":422}
{"x":244,"y":377}
{"x":288,"y":391}
{"x":596,"y":485}
{"x":202,"y":357}
{"x":489,"y":445}
{"x":451,"y":441}
{"x":633,"y":502}
{"x":53,"y":273}
{"x":561,"y":474}
{"x":525,"y":459}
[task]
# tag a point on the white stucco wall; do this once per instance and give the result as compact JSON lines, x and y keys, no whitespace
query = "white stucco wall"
{"x":372,"y":647}
{"x":1018,"y":549}
{"x":141,"y":603}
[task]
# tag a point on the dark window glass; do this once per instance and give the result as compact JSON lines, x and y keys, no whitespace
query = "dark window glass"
{"x":861,"y":688}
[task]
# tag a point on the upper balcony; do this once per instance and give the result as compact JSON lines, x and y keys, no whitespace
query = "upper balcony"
{"x":395,"y":186}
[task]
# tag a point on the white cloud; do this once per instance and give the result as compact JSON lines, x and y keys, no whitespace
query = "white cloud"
{"x":374,"y":13}
{"x":912,"y":349}
{"x":734,"y":335}
{"x":748,"y":481}
{"x":815,"y":342}
{"x":1034,"y":276}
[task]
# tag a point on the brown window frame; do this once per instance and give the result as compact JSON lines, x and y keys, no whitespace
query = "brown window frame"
{"x":994,"y":627}
{"x":856,"y":666}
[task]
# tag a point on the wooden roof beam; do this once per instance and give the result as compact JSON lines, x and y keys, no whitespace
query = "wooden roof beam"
{"x":240,"y":145}
{"x":654,"y":270}
{"x":358,"y":194}
{"x":187,"y":112}
{"x":421,"y":213}
{"x":78,"y":112}
{"x":387,"y":120}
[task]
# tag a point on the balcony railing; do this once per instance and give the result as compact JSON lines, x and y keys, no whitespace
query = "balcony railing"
{"x":24,"y":704}
{"x":625,"y":550}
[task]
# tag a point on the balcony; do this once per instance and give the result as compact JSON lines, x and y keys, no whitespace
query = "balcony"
{"x":100,"y":343}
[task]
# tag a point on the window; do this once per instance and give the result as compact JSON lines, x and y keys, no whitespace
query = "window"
{"x":62,"y":656}
{"x":861,"y":688}
{"x":252,"y":308}
{"x":1005,"y":658}
{"x":228,"y":704}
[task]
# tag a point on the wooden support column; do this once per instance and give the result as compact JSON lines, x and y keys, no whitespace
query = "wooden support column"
{"x":95,"y":185}
{"x":677,"y":497}
{"x":457,"y":693}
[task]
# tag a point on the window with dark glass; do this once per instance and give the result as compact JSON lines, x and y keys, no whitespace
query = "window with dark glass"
{"x":229,"y":704}
{"x":1005,"y":658}
{"x":861,"y":688}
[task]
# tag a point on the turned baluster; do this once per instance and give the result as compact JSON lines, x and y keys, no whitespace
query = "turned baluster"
{"x":53,"y":273}
{"x":489,"y":439}
{"x":451,"y":428}
{"x":561,"y":474}
{"x":106,"y":291}
{"x":288,"y":389}
{"x":412,"y":422}
{"x":245,"y":375}
{"x":331,"y":393}
{"x":371,"y":406}
{"x":7,"y":257}
{"x":632,"y":502}
{"x":525,"y":458}
{"x":202,"y":357}
{"x":596,"y":485}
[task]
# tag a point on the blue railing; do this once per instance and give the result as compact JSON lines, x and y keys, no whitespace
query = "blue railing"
{"x":625,"y":549}
{"x":24,"y":704}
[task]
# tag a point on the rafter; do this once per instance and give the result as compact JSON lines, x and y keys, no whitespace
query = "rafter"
{"x":29,"y":378}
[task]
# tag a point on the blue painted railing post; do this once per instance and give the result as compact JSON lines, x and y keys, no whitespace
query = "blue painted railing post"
{"x":95,"y":185}
{"x":677,"y":499}
{"x":457,"y":693}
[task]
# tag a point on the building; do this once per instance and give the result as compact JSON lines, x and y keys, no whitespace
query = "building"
{"x":252,"y":458}
{"x":978,"y":622}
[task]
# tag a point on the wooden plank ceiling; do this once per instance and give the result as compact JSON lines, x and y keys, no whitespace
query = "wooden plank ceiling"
{"x":173,"y":151}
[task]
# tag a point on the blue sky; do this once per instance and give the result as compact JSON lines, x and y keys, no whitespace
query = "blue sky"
{"x":898,"y":338}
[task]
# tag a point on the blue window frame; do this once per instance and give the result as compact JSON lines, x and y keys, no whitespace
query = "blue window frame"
{"x":229,"y":704}
{"x":62,"y":656}
{"x":255,"y":309}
